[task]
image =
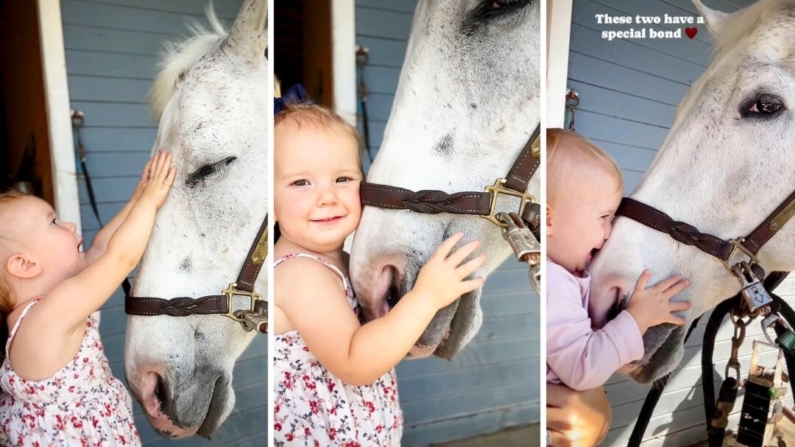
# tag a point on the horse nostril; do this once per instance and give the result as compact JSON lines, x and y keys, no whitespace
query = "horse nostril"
{"x":393,"y":294}
{"x":160,"y":390}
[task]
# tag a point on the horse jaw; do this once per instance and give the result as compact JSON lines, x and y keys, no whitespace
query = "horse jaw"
{"x":718,"y":171}
{"x":180,"y":369}
{"x":467,"y":102}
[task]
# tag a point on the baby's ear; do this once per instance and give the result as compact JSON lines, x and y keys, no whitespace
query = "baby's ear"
{"x":20,"y":266}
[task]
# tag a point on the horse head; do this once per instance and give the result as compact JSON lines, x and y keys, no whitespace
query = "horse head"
{"x":467,"y":101}
{"x":725,"y":165}
{"x":211,"y":98}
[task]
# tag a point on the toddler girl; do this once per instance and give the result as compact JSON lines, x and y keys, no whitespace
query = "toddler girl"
{"x":335,"y":383}
{"x":584,"y":189}
{"x":57,"y":387}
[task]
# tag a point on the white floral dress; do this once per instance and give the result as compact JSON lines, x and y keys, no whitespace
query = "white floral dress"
{"x":80,"y":405}
{"x":315,"y":408}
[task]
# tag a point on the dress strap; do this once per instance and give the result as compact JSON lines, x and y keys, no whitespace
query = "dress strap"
{"x":320,"y":260}
{"x":19,"y":321}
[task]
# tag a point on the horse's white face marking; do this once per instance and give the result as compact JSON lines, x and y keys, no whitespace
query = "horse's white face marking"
{"x":213,"y":95}
{"x":722,"y":168}
{"x":467,"y":102}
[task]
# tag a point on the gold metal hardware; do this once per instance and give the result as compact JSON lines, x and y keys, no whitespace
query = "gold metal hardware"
{"x":495,"y":190}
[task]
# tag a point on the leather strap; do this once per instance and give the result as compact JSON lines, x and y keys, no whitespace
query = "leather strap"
{"x":710,"y":244}
{"x":254,"y":260}
{"x":771,"y":225}
{"x":425,"y":201}
{"x":177,"y":307}
{"x":526,"y":164}
{"x":433,"y":202}
{"x":679,"y":231}
{"x":211,"y":304}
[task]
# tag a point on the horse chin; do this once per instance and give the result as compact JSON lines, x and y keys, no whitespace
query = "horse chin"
{"x":451,"y":329}
{"x":663,"y":345}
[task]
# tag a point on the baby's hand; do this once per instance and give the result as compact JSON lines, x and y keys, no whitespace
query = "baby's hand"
{"x":160,"y":178}
{"x":653,"y":306}
{"x":442,"y":279}
{"x":139,"y":190}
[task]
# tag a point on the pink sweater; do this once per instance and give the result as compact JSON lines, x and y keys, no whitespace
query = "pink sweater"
{"x":577,"y":355}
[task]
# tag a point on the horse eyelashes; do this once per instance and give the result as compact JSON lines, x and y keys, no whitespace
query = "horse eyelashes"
{"x":208,"y":171}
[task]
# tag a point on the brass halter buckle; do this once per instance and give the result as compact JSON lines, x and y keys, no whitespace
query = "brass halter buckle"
{"x":495,"y":190}
{"x":251,"y":297}
{"x":737,"y":245}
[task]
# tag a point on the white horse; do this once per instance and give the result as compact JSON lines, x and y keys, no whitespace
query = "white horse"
{"x":212,"y":96}
{"x":467,"y":102}
{"x":725,"y":165}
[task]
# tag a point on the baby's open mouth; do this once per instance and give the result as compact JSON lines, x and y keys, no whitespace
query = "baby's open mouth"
{"x":590,"y":257}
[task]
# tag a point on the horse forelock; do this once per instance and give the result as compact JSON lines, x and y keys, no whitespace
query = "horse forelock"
{"x":178,"y":58}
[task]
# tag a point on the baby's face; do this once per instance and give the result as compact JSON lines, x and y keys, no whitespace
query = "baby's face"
{"x":36,"y":232}
{"x":582,"y":220}
{"x":316,"y":185}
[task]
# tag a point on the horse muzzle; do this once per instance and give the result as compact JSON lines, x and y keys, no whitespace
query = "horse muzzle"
{"x":181,"y":407}
{"x":387,"y":279}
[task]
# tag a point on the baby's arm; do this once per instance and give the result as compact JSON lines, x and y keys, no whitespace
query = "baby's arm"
{"x":581,"y":357}
{"x":101,"y":240}
{"x":360,"y":354}
{"x":68,"y":305}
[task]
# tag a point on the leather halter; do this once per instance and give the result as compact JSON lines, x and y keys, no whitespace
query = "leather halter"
{"x":712,"y":245}
{"x":483,"y":204}
{"x":239,"y":301}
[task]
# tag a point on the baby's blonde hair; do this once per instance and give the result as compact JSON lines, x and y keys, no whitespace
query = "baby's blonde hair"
{"x":7,"y":294}
{"x":568,"y":153}
{"x":313,"y":114}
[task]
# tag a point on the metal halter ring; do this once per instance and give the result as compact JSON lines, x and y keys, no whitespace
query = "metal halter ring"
{"x":230,"y":293}
{"x":495,"y":190}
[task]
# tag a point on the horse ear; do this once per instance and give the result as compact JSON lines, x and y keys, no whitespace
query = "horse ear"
{"x":713,"y":17}
{"x":249,"y":34}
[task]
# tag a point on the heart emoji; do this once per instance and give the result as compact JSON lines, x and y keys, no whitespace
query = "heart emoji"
{"x":691,"y":32}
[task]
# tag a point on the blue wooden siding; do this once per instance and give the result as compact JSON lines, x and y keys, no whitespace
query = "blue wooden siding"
{"x":629,"y":90}
{"x":112,"y":52}
{"x":494,"y":382}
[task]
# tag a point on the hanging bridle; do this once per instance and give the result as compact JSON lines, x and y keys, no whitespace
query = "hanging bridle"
{"x":520,"y":229}
{"x":238,"y":301}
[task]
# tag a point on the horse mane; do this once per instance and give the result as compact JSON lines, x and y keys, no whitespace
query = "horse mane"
{"x":740,"y":24}
{"x":178,"y":58}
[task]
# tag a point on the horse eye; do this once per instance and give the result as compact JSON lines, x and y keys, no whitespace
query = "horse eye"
{"x":763,"y":106}
{"x":497,"y":4}
{"x":208,"y":171}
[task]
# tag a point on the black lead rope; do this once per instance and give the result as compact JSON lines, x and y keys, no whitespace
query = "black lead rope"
{"x":77,"y":124}
{"x":728,"y":392}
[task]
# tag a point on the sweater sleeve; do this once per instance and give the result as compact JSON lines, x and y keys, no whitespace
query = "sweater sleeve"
{"x":583,"y":358}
